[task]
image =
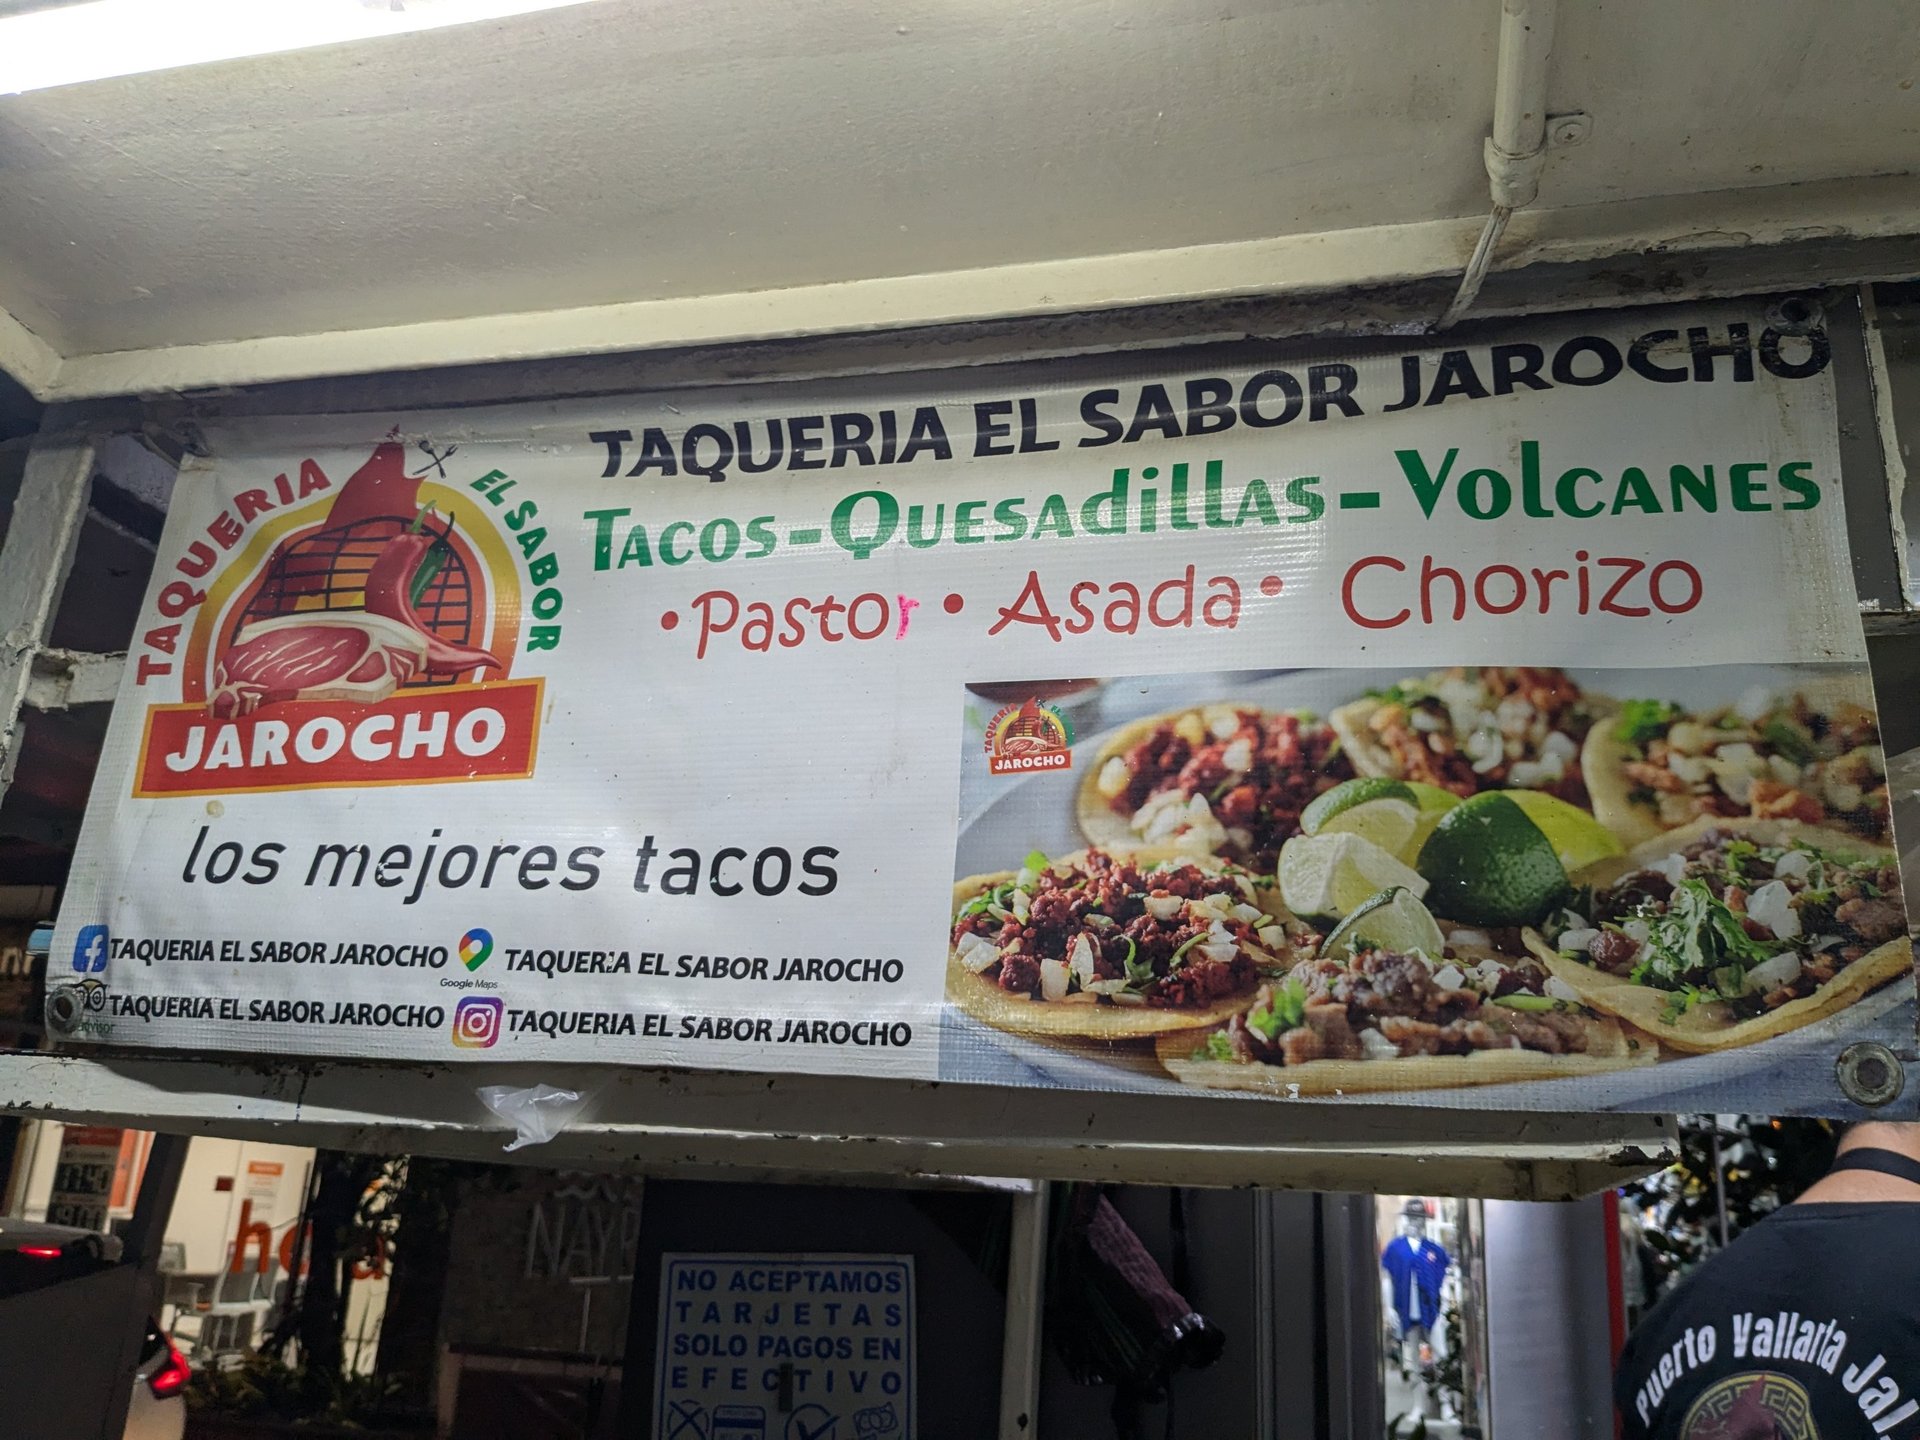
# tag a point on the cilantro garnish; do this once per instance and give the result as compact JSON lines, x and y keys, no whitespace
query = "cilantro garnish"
{"x":1696,"y":936}
{"x":1218,"y":1047}
{"x":1644,"y":720}
{"x":1285,"y":1010}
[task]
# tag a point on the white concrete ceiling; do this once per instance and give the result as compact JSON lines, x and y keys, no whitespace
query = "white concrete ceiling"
{"x":623,"y":175}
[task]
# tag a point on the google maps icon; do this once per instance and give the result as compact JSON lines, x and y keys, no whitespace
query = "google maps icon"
{"x":475,"y":947}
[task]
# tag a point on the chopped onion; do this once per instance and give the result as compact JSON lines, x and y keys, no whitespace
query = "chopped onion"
{"x":1483,"y":747}
{"x":1490,"y":971}
{"x":1784,"y":770}
{"x":1753,"y":706}
{"x":1238,"y":756}
{"x":1377,"y":1047}
{"x":1826,"y":942}
{"x":976,"y":952}
{"x":1022,"y":906}
{"x":1162,"y":906}
{"x":1105,"y":987}
{"x":1581,"y":939}
{"x":1782,"y":969}
{"x":1794,"y":865}
{"x":1222,"y":721}
{"x":1472,"y":938}
{"x":1274,"y":937}
{"x":1219,"y":954}
{"x":1425,"y":721}
{"x":1247,"y":913}
{"x":1694,"y":769}
{"x":1559,"y":989}
{"x":1113,"y":778}
{"x":1560,"y":744}
{"x":1449,"y":977}
{"x":1772,"y":906}
{"x":1636,"y":929}
{"x":1513,"y":715}
{"x":1054,"y":977}
{"x":1080,"y":959}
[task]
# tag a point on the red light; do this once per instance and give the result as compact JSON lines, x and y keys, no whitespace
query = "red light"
{"x":42,"y":1252}
{"x":171,"y":1378}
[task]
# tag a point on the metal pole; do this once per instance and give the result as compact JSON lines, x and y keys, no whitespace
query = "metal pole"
{"x":1026,"y":1297}
{"x":34,"y":561}
{"x":1719,"y":1185}
{"x":144,"y":1234}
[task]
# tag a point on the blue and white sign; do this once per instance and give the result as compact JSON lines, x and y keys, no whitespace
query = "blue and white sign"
{"x":785,"y":1347}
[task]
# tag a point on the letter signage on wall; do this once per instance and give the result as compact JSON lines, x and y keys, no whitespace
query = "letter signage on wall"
{"x":1478,"y":724}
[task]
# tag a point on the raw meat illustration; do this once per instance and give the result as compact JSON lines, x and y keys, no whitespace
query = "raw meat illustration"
{"x":352,"y":656}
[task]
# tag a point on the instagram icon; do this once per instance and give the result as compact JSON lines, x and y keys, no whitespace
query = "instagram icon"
{"x":476,"y":1022}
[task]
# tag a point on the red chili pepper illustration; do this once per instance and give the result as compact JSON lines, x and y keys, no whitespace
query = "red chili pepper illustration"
{"x":391,"y":591}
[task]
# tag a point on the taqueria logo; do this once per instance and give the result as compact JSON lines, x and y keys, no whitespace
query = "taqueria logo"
{"x":363,"y":636}
{"x":1029,"y":736}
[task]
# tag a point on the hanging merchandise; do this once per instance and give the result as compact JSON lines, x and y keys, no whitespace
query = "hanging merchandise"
{"x":1483,"y":725}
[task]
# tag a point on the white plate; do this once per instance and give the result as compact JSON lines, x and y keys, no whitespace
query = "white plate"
{"x":1792,"y":1072}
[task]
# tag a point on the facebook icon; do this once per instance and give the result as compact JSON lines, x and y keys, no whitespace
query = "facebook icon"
{"x":90,"y":950}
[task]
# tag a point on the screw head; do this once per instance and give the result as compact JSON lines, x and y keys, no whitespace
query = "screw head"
{"x":1568,"y":129}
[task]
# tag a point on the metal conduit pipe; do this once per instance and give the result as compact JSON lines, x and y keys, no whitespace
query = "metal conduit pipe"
{"x":1516,"y":151}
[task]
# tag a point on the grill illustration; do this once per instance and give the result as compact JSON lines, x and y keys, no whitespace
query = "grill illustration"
{"x":327,"y":571}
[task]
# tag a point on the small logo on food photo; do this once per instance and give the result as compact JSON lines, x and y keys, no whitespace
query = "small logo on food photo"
{"x":476,"y":1022}
{"x":90,"y":950}
{"x":475,"y":947}
{"x":1027,"y":737}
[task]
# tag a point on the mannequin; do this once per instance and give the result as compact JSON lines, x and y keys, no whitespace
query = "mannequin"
{"x":1416,"y":1266}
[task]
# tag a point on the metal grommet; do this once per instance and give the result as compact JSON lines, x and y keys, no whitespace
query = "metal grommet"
{"x":1795,"y":314}
{"x":1870,"y":1074}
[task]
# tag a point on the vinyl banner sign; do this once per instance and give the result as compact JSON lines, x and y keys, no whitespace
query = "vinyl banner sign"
{"x":1485,"y":725}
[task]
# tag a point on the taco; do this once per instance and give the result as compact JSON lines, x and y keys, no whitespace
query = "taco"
{"x":1384,"y":1019}
{"x":1812,"y":756}
{"x":1729,"y":931}
{"x":1475,"y":728}
{"x":1110,"y":947}
{"x":1219,"y":779}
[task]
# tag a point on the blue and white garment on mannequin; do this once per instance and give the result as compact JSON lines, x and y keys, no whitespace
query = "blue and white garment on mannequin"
{"x":1416,"y":1268}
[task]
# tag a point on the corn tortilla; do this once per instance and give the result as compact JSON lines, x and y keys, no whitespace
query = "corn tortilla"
{"x":1079,"y":1019}
{"x":1713,"y":1026}
{"x":1610,"y":1047}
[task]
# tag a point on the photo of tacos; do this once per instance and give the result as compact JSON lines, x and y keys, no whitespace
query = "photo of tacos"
{"x":1439,"y":895}
{"x":1394,"y":1000}
{"x":1113,"y":947}
{"x":1218,"y":779}
{"x":1726,"y":932}
{"x":1474,"y":728}
{"x":1811,"y":755}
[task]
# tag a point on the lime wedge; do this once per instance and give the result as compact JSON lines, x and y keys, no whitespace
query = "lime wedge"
{"x":1392,"y":920}
{"x":1433,"y":802}
{"x":1335,"y":874}
{"x":1349,"y":793}
{"x":1489,"y":864}
{"x":1577,"y":838}
{"x":1391,"y":824}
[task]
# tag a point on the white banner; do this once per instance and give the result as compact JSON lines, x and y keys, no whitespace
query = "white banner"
{"x":660,"y":730}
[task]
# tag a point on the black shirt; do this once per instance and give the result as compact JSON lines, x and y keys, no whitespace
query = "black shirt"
{"x":1807,"y":1327}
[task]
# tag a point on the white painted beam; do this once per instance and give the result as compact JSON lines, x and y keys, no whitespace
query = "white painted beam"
{"x":666,"y":1121}
{"x":1326,"y":264}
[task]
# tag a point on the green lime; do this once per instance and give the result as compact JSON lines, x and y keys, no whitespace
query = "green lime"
{"x":1392,"y":920}
{"x":1577,"y":838}
{"x":1489,"y":864}
{"x":1349,"y":793}
{"x":1334,"y":874}
{"x":1433,"y":802}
